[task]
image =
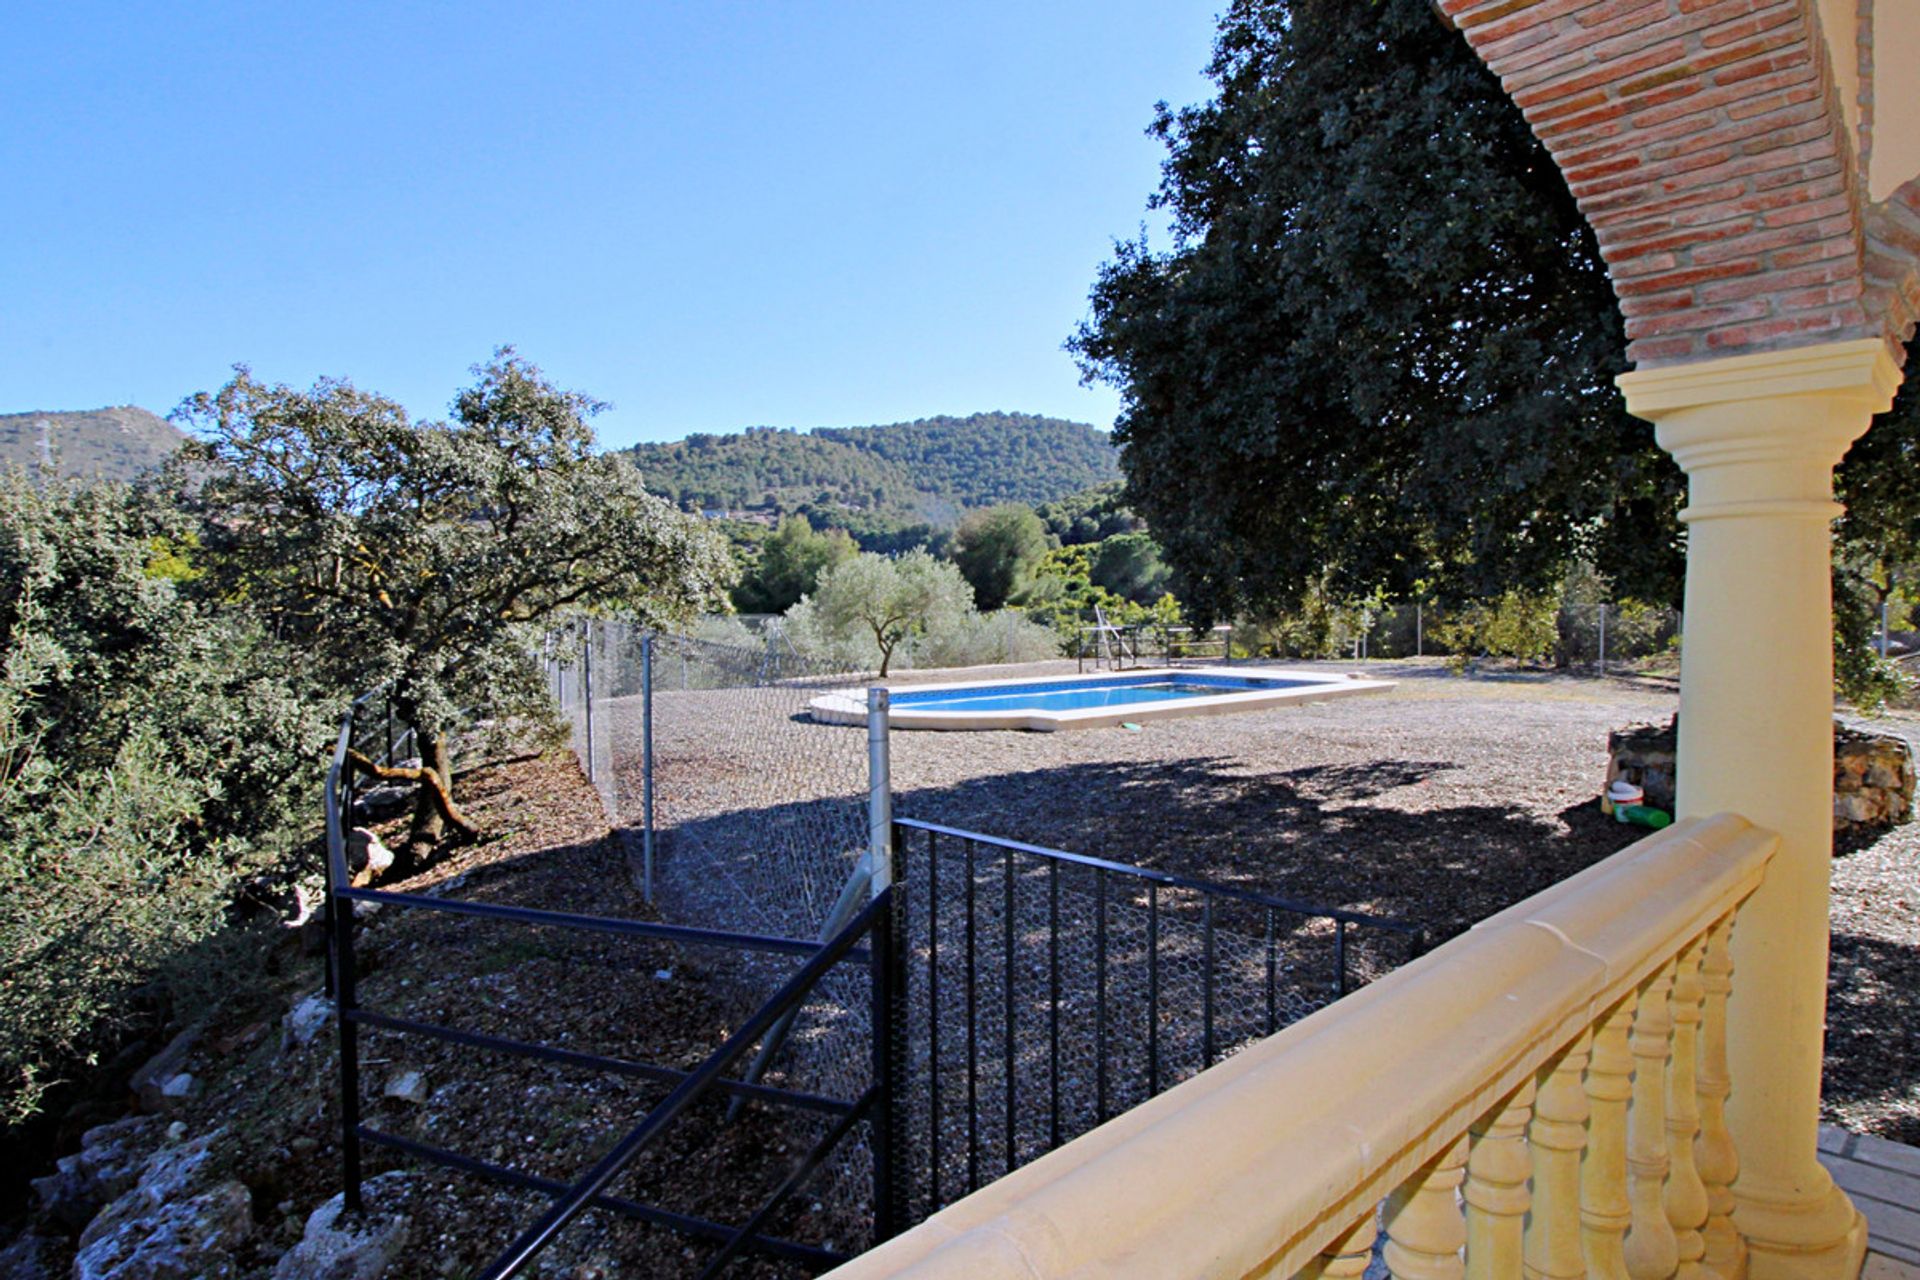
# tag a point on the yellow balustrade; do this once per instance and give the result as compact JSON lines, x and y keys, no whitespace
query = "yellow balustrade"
{"x":1544,"y":1096}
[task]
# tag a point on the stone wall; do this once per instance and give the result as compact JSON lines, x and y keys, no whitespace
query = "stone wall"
{"x":1873,"y":774}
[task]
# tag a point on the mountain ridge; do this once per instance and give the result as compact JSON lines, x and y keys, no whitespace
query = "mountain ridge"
{"x":118,"y":442}
{"x":930,"y":469}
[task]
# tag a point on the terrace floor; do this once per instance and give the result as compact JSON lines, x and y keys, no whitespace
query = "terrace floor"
{"x":1884,"y":1180}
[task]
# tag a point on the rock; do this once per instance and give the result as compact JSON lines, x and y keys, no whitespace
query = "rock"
{"x":180,"y":1088}
{"x":170,"y":1240}
{"x":104,"y":1169}
{"x":341,"y":1246}
{"x":176,"y":1131}
{"x":383,"y":800}
{"x":408,"y":1086}
{"x":150,"y":1081}
{"x":167,"y":1227}
{"x":305,"y":1021}
{"x":367,"y":858}
{"x":30,"y":1257}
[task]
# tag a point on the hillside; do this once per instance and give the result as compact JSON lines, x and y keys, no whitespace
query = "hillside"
{"x":115,"y":444}
{"x":930,"y":470}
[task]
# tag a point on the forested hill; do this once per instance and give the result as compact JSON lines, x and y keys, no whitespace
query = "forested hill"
{"x":927,"y":470}
{"x":113,"y":444}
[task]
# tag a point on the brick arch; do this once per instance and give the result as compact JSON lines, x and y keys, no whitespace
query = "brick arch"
{"x":1704,"y":142}
{"x":1893,"y":261}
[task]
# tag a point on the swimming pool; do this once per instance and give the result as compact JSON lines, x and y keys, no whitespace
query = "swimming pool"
{"x":1089,"y":702}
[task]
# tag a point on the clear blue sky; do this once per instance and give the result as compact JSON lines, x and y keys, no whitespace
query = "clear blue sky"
{"x":714,"y":215}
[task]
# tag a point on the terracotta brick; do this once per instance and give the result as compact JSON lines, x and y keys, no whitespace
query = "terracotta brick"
{"x":1770,"y":20}
{"x":1812,"y":211}
{"x":1802,"y":254}
{"x":1753,"y":335}
{"x":1712,"y":99}
{"x":1624,"y":164}
{"x":1651,"y":350}
{"x":1640,"y":265}
{"x":1624,"y":220}
{"x":1698,"y":318}
{"x":1688,"y":277}
{"x":1779,"y":282}
{"x":1466,"y":19}
{"x":1569,"y":106}
{"x":1810,"y":97}
{"x":1656,"y":304}
{"x":1761,"y":241}
{"x":1696,"y":238}
{"x":1605,"y":74}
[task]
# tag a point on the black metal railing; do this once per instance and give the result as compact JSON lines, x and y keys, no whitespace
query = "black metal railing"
{"x":877,"y":924}
{"x":1050,"y":991}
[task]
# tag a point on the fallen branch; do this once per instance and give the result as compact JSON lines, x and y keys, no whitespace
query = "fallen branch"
{"x":421,"y":774}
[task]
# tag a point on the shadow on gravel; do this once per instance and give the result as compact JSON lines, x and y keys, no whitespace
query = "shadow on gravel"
{"x":1317,"y":834}
{"x":1873,"y":1047}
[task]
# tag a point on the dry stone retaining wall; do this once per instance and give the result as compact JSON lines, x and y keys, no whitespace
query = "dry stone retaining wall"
{"x":1873,"y":773}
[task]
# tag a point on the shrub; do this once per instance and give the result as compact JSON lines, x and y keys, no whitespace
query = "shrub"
{"x":156,"y":752}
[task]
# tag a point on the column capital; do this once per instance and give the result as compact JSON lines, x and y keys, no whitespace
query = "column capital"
{"x":1759,"y":435}
{"x":1862,"y":370}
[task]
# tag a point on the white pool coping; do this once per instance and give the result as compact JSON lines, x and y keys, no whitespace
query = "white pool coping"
{"x":851,"y":707}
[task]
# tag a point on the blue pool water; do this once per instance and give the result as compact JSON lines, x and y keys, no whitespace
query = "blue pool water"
{"x":1106,"y":691}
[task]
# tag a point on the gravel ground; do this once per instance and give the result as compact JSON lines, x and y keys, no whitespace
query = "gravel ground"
{"x":1439,"y":803}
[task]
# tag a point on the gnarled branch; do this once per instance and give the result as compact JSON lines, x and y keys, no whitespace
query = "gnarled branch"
{"x":442,"y":799}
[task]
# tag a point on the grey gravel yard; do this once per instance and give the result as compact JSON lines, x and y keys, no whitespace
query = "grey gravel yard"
{"x":1439,"y":802}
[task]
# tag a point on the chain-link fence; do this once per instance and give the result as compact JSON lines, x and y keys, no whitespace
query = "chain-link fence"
{"x":1593,"y":638}
{"x":741,"y":813}
{"x":1047,"y":994}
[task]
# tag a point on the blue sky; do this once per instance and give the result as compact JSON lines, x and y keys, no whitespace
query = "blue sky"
{"x":713,"y":215}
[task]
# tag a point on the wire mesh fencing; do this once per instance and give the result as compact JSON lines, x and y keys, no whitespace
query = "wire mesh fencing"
{"x":740,"y":813}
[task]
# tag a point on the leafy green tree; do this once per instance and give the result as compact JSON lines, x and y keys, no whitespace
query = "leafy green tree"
{"x":428,"y":555}
{"x":1129,"y":565}
{"x":997,"y":550}
{"x":1877,"y":546}
{"x":789,"y":565}
{"x":156,"y":752}
{"x":869,"y":604}
{"x":1382,"y":346}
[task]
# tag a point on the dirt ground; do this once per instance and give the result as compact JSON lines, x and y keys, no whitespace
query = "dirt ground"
{"x":1440,"y":803}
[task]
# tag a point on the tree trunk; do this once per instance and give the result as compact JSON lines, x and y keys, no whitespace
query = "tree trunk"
{"x":429,"y":825}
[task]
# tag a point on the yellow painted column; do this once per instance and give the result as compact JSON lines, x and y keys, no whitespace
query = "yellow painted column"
{"x":1759,"y":436}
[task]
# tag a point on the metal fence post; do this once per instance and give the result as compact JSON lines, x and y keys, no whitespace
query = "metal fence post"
{"x":879,"y":792}
{"x":342,"y":966}
{"x":646,"y":767}
{"x":889,"y":1019}
{"x":1419,"y":630}
{"x":586,"y":687}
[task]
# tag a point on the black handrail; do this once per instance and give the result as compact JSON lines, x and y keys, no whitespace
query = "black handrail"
{"x":582,"y":1194}
{"x":1291,"y":905}
{"x":876,"y":1106}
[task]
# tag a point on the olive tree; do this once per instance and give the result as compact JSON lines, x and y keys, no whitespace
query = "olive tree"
{"x":427,"y":555}
{"x":864,"y":607}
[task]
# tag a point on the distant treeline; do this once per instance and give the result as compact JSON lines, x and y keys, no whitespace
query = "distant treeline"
{"x":930,"y":471}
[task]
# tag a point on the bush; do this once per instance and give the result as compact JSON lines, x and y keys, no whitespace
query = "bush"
{"x":977,"y":639}
{"x":1519,"y":624}
{"x":156,"y":752}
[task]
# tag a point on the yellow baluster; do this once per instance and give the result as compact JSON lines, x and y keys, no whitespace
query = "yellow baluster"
{"x":1686,"y":1197}
{"x":1559,"y":1133}
{"x":1652,"y":1251}
{"x":1713,"y":1151}
{"x":1425,"y":1232}
{"x":1497,"y":1196}
{"x":1346,"y":1258}
{"x":1604,"y":1211}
